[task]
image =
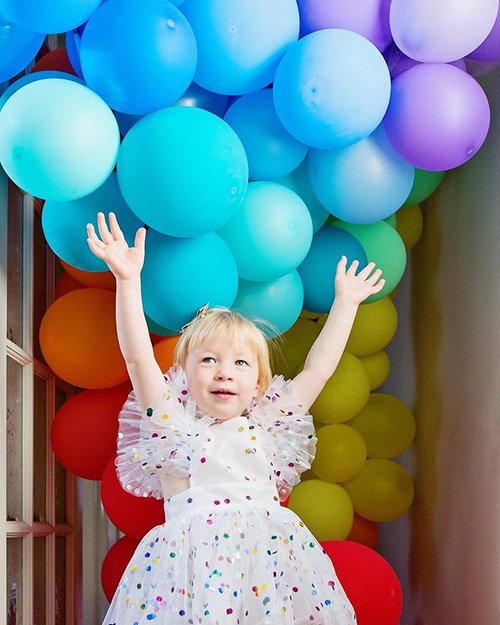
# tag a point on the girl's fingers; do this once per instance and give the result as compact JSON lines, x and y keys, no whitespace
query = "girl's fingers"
{"x":375,"y":277}
{"x":379,"y":286}
{"x":98,"y":251}
{"x":114,"y":227}
{"x":140,"y":238}
{"x":366,"y":271}
{"x":91,"y":234}
{"x":353,"y":268}
{"x":102,"y":226}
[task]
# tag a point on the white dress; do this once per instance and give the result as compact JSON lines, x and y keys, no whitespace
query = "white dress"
{"x":228,"y":553}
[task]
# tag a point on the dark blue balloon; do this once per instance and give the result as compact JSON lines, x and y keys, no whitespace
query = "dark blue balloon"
{"x":18,"y":47}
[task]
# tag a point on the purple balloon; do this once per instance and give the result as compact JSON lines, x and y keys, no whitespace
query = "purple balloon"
{"x":369,"y":18}
{"x":438,"y":116}
{"x":489,"y":50}
{"x":398,"y":62}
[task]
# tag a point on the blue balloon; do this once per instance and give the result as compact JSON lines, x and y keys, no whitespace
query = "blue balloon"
{"x":58,"y":139}
{"x":183,"y":171}
{"x":126,"y":121}
{"x":240,"y":43}
{"x":318,"y":269}
{"x":361,"y":183}
{"x":18,"y":46}
{"x":181,"y":275}
{"x":277,"y":302}
{"x":332,"y":88}
{"x":139,"y":56}
{"x":27,"y":78}
{"x":73,"y":40}
{"x":156,"y":328}
{"x":195,"y":95}
{"x":271,"y":150}
{"x":64,"y":224}
{"x":50,"y":16}
{"x":270,"y":234}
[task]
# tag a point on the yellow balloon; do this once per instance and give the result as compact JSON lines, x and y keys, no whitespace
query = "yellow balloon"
{"x":378,"y":367}
{"x":409,"y":224}
{"x":340,"y":453}
{"x":291,"y":348}
{"x":325,"y":508}
{"x":345,"y":393}
{"x":386,"y":424}
{"x":381,"y":491}
{"x":374,"y":327}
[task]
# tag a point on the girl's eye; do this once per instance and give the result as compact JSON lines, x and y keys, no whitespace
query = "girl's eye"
{"x":241,"y":363}
{"x":208,"y":359}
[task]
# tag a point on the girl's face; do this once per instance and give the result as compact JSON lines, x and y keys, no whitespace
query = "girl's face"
{"x":222,"y":378}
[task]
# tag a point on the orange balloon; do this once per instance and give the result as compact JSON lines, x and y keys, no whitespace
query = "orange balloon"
{"x":65,"y":284}
{"x":364,"y":531}
{"x":97,"y":279}
{"x":79,"y":342}
{"x":164,"y":352}
{"x":54,"y":60}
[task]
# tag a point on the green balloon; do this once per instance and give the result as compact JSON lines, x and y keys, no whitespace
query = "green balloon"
{"x":424,"y":184}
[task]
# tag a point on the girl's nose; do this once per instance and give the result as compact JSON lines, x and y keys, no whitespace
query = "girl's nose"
{"x":224,"y":372}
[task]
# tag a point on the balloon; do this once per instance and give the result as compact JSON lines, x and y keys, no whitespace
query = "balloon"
{"x":369,"y":18}
{"x":114,"y":564}
{"x":442,"y":32}
{"x":289,"y":356}
{"x":378,"y":367}
{"x":270,"y":234}
{"x":85,"y":428}
{"x":397,"y":62}
{"x":27,"y":78}
{"x":438,"y":117}
{"x":340,"y":453}
{"x":361,"y":183}
{"x":386,"y":424}
{"x":183,"y":171}
{"x":381,"y":491}
{"x":424,"y":185}
{"x":240,"y":43}
{"x":202,"y":98}
{"x":156,"y":328}
{"x":369,"y":581}
{"x":51,"y":16}
{"x":78,"y":339}
{"x":55,"y":60}
{"x":164,"y":352}
{"x":277,"y":302}
{"x":64,"y":224}
{"x":58,"y":139}
{"x":139,"y":57}
{"x":345,"y":393}
{"x":18,"y":46}
{"x":364,"y":532}
{"x":73,"y":40}
{"x":99,"y":280}
{"x":374,"y":327}
{"x":271,"y":150}
{"x":132,"y":515}
{"x":325,"y":508}
{"x":317,"y":270}
{"x":489,"y":49}
{"x":409,"y":224}
{"x":181,"y":275}
{"x":331,"y":89}
{"x":384,"y":246}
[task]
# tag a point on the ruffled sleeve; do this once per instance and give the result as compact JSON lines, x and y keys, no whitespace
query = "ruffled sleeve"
{"x":291,"y":440}
{"x":156,"y":439}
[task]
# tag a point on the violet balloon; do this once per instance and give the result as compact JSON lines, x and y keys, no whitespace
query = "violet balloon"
{"x":438,"y":116}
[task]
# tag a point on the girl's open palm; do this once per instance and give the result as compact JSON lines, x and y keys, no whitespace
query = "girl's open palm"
{"x":357,"y":287}
{"x":110,"y":246}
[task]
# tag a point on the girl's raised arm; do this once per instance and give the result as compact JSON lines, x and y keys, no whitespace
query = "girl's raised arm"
{"x":126,"y":264}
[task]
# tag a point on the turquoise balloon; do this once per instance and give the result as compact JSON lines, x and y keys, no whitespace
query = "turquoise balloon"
{"x":183,"y":171}
{"x":271,"y":150}
{"x":49,"y":16}
{"x":319,"y":266}
{"x":18,"y":46}
{"x":277,"y":302}
{"x":64,"y":224}
{"x":270,"y":234}
{"x":27,"y":78}
{"x":156,"y":328}
{"x":331,"y":88}
{"x":182,"y":275}
{"x":58,"y":139}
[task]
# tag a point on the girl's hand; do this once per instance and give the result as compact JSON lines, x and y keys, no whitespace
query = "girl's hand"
{"x":357,"y":287}
{"x":124,"y":262}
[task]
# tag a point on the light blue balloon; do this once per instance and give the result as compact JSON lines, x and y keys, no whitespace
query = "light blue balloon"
{"x":139,"y":56}
{"x":361,"y":183}
{"x":332,"y":88}
{"x":181,"y":275}
{"x":270,"y":234}
{"x":278,"y":302}
{"x":319,"y":266}
{"x":64,"y":224}
{"x":49,"y":16}
{"x":271,"y":150}
{"x":18,"y":46}
{"x":240,"y":42}
{"x":27,"y":78}
{"x":58,"y":139}
{"x":195,"y":95}
{"x":183,"y":171}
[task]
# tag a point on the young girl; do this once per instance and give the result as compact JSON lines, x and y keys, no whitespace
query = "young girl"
{"x":222,"y":442}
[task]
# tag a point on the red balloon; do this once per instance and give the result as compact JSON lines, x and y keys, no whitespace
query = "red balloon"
{"x":369,"y":581}
{"x":134,"y":516}
{"x":85,"y":429}
{"x":54,"y":60}
{"x":114,"y":564}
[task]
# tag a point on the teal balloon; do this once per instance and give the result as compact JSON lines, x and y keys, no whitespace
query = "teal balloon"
{"x":317,"y":271}
{"x":277,"y":302}
{"x":361,"y":183}
{"x":18,"y":46}
{"x":270,"y":234}
{"x":182,"y":275}
{"x":156,"y":328}
{"x":424,"y":185}
{"x":64,"y":224}
{"x":27,"y":78}
{"x":183,"y":171}
{"x":49,"y":16}
{"x":58,"y":139}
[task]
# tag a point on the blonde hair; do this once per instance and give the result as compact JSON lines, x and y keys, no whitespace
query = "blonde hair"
{"x":213,"y":323}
